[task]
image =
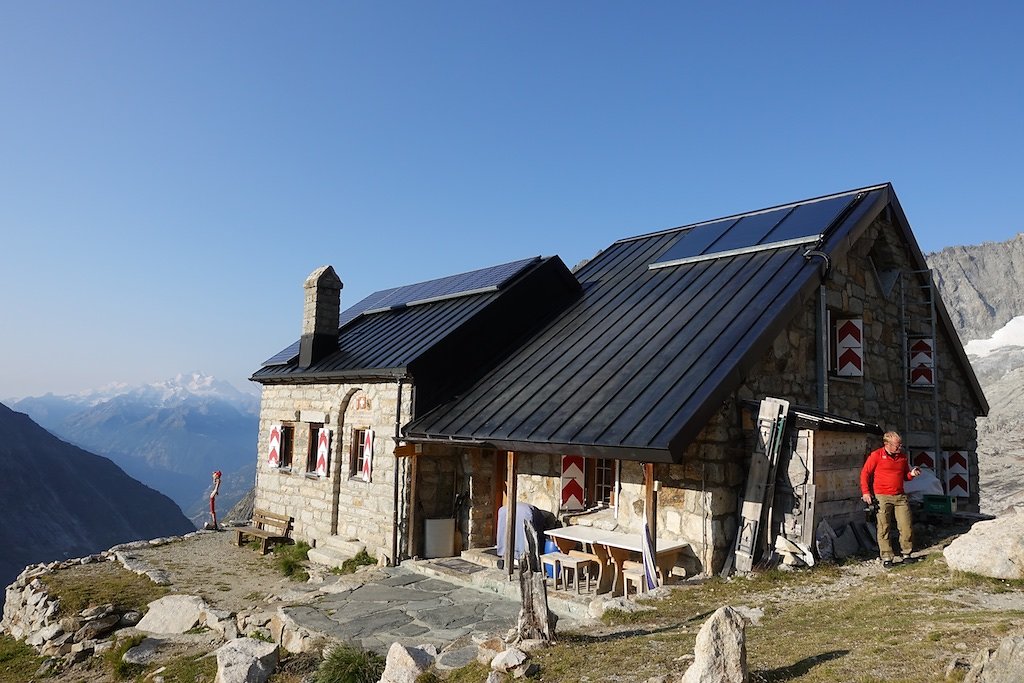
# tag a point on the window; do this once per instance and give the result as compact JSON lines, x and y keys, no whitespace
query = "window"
{"x":287,"y":445}
{"x":314,"y":432}
{"x":602,"y":480}
{"x":359,"y":456}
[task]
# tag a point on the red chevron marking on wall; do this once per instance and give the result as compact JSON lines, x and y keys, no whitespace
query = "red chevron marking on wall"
{"x":924,"y":459}
{"x":921,"y":376}
{"x":956,"y":462}
{"x":849,"y":331}
{"x":850,"y":357}
{"x":572,"y":492}
{"x":958,"y":486}
{"x":573,"y":480}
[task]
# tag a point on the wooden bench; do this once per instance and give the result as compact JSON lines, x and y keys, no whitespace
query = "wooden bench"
{"x":267,"y":526}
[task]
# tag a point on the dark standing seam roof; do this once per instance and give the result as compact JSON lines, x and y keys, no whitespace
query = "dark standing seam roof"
{"x":374,"y":343}
{"x":645,"y":357}
{"x":463,"y":285}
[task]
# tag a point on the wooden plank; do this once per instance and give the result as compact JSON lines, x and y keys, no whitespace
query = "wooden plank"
{"x":771,"y":421}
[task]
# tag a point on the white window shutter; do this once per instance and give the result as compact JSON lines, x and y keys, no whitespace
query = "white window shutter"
{"x":367,"y":454}
{"x":323,"y":451}
{"x":274,"y":447}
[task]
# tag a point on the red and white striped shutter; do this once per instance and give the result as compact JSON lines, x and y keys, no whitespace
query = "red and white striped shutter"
{"x":922,"y":362}
{"x":922,"y":458}
{"x":958,"y":481}
{"x":274,"y":447}
{"x":323,"y":451}
{"x":573,"y":468}
{"x":850,"y":347}
{"x":367,"y":454}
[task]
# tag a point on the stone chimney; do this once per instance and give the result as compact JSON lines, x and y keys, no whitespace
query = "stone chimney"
{"x":320,"y":316}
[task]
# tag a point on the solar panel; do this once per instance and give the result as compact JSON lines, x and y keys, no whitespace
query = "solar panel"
{"x":802,"y":223}
{"x":463,"y":284}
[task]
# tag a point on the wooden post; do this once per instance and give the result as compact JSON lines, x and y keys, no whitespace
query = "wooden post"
{"x":536,"y":621}
{"x":414,"y":537}
{"x":651,"y":508}
{"x":511,"y":463}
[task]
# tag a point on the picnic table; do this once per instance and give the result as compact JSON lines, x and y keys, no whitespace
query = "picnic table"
{"x":613,"y":549}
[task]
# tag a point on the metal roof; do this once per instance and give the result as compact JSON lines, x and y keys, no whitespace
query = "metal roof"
{"x":468,"y":284}
{"x":636,"y":367}
{"x":444,"y":343}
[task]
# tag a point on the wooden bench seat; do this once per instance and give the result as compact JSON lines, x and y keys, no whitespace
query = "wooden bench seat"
{"x":267,"y":526}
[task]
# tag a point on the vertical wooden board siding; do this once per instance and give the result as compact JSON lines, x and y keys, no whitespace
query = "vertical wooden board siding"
{"x":837,"y":485}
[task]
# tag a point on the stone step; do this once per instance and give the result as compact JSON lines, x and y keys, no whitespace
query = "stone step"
{"x":489,"y":579}
{"x":333,"y":551}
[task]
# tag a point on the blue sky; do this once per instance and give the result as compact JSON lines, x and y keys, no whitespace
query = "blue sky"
{"x":171,"y":172}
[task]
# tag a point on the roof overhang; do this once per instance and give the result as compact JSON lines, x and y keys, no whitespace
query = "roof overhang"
{"x":376,"y":374}
{"x":586,"y":450}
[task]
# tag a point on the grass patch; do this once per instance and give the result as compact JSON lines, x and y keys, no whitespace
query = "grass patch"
{"x":349,"y":664}
{"x":191,"y":669}
{"x":18,"y":661}
{"x":90,"y":585}
{"x":113,"y":657}
{"x":291,"y":560}
{"x":349,"y":566}
{"x":846,"y":623}
{"x":471,"y":673}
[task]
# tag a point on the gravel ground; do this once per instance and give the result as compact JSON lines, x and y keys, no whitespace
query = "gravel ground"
{"x":211,"y":566}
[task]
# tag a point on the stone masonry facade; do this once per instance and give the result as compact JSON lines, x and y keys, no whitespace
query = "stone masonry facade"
{"x":341,"y":504}
{"x":698,"y":498}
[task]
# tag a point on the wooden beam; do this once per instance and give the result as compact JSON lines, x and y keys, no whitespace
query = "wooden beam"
{"x":511,"y":466}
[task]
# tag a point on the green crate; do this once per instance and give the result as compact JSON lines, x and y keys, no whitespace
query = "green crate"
{"x":939,"y":505}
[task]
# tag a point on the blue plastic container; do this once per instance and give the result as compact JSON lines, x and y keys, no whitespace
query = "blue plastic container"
{"x":549,"y":547}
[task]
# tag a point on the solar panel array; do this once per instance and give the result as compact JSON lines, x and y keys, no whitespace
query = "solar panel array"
{"x":752,"y":232}
{"x":463,"y":284}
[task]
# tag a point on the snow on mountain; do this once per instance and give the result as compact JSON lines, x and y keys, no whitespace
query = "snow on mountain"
{"x":167,"y":393}
{"x":1009,"y":335}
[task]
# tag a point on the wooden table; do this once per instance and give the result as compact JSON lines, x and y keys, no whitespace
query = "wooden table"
{"x":612,"y":549}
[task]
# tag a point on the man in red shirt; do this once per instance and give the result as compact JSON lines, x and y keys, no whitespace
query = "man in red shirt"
{"x":883,"y":475}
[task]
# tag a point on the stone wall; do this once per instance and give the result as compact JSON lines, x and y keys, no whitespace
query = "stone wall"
{"x":342,"y":504}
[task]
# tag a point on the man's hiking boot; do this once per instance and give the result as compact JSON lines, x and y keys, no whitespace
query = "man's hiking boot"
{"x":886,"y":564}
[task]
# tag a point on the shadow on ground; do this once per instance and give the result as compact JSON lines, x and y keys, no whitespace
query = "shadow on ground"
{"x":788,"y":673}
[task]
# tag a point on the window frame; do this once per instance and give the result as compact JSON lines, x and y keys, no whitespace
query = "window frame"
{"x":596,"y":490}
{"x":311,"y":447}
{"x":356,"y":454}
{"x":287,"y":446}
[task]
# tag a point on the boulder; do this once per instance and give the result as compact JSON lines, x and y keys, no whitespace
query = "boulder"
{"x":720,"y":654}
{"x":509,"y":659}
{"x":992,"y":548}
{"x":1005,"y":664}
{"x":143,"y":654}
{"x":44,"y":634}
{"x":405,"y":664}
{"x":172,"y":614}
{"x":246,"y":660}
{"x":97,"y":628}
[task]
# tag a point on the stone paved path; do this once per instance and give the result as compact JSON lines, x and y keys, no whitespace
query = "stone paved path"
{"x":408,"y":608}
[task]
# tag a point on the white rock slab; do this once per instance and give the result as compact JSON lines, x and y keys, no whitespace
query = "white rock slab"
{"x":172,"y":614}
{"x":246,"y":660}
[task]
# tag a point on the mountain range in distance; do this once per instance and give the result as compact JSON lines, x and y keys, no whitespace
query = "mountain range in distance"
{"x":168,"y":435}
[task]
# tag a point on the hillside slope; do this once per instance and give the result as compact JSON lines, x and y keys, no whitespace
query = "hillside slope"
{"x":61,"y":501}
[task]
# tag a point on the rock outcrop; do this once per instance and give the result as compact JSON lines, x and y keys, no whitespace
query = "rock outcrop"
{"x":993,"y":548}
